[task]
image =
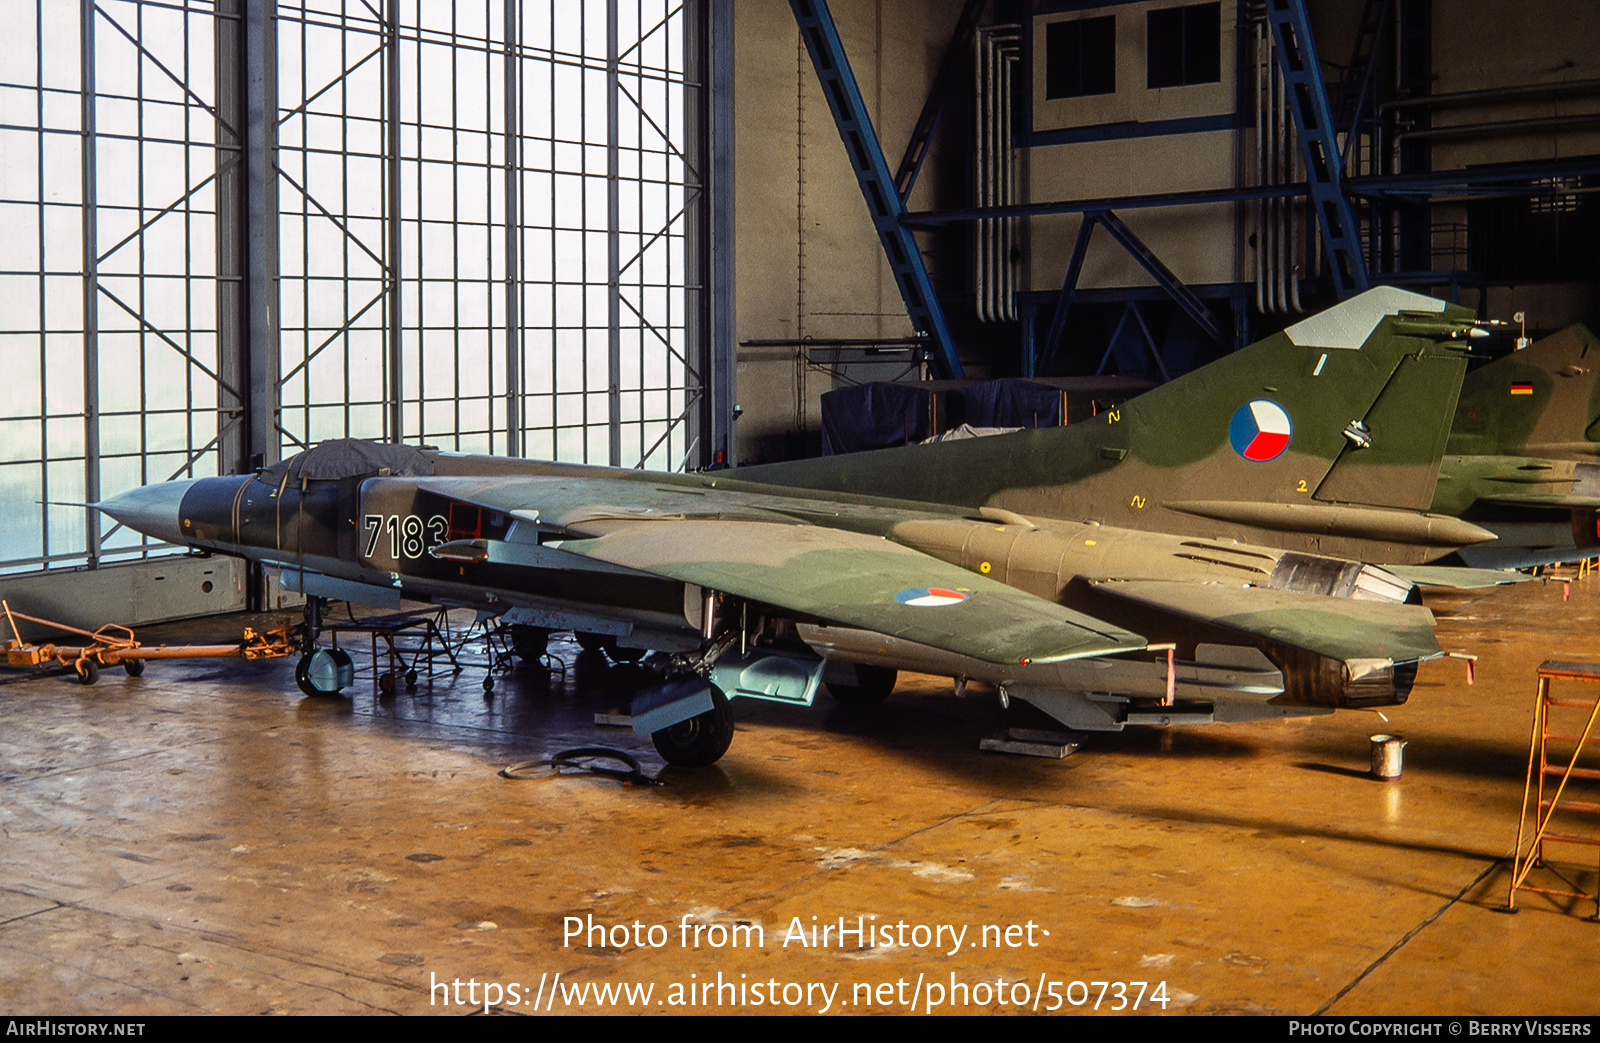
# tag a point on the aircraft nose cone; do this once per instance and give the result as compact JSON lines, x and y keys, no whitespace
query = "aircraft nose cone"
{"x":152,"y":510}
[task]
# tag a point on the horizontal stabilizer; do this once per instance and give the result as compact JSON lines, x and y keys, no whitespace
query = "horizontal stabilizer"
{"x":1457,"y":578}
{"x":1332,"y":627}
{"x":1527,"y":481}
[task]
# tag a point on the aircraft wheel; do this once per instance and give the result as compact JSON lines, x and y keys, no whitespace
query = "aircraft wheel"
{"x":88,"y":671}
{"x":134,"y":667}
{"x":529,"y":642}
{"x":488,"y":686}
{"x":386,"y":683}
{"x":607,"y":643}
{"x":876,"y":682}
{"x":323,"y":673}
{"x":411,"y":678}
{"x":595,"y":642}
{"x":699,"y":741}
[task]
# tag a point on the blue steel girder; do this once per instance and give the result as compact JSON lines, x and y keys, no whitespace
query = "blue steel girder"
{"x":861,"y":145}
{"x":1169,"y":283}
{"x":1519,"y":178}
{"x":944,"y":84}
{"x":1069,"y":291}
{"x":1313,"y":118}
{"x":1181,"y":295}
{"x":1355,"y":89}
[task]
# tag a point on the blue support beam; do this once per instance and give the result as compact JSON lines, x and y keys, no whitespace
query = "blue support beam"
{"x":957,"y":215}
{"x":1181,"y":295}
{"x":1168,"y":282}
{"x":861,"y":144}
{"x":944,"y":84}
{"x":1313,"y":118}
{"x":1520,"y":178}
{"x":1069,"y":291}
{"x":1355,"y":89}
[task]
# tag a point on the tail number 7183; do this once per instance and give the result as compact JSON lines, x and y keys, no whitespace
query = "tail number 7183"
{"x":409,"y":535}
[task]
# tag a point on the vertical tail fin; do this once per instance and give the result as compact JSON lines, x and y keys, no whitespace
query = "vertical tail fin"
{"x":1352,"y":405}
{"x":1541,"y":401}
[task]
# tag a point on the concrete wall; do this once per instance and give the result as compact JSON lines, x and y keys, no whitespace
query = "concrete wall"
{"x":1195,"y":242}
{"x":1481,"y":45}
{"x":809,"y":262}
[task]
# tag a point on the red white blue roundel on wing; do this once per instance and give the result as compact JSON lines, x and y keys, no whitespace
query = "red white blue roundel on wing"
{"x":929,"y":597}
{"x":1260,"y":430}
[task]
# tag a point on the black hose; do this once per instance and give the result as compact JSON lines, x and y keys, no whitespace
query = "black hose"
{"x":581,"y":759}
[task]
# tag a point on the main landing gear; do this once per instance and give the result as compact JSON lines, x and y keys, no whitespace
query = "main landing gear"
{"x":606,"y":644}
{"x":872,"y":687}
{"x":700,"y":740}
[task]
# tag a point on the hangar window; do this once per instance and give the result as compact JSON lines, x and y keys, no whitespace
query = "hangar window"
{"x":485,"y":227}
{"x":1184,"y":45}
{"x":1080,"y":57}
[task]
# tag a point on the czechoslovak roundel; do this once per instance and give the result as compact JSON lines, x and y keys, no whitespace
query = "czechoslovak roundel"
{"x":1260,"y":430}
{"x":930,"y":597}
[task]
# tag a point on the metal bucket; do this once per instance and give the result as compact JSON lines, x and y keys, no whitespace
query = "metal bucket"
{"x":1387,"y":756}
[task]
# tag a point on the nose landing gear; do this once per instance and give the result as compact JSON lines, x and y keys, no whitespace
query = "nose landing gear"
{"x":321,"y":672}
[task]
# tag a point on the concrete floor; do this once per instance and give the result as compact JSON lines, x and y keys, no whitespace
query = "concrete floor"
{"x":205,"y":840}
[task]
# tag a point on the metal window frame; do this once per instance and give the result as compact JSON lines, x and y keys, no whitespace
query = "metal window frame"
{"x":666,"y":285}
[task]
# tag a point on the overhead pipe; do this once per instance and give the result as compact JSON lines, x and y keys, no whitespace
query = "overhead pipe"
{"x":1007,"y":52}
{"x":1491,"y":95}
{"x":994,"y":239}
{"x":982,"y":119}
{"x":1278,"y":242}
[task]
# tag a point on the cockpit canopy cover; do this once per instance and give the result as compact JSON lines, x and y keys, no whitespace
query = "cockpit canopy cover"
{"x":349,"y":458}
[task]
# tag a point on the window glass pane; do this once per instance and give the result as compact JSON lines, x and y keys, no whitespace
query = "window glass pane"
{"x":1183,"y":46}
{"x":1081,"y":57}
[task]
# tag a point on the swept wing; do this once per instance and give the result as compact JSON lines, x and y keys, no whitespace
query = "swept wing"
{"x":745,"y":546}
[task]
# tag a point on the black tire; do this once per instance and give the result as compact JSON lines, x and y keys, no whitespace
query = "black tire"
{"x":488,"y":686}
{"x":88,"y":671}
{"x":607,"y":643}
{"x":699,"y":741}
{"x":134,"y":667}
{"x":386,"y":683}
{"x":876,"y":682}
{"x":528,"y":642}
{"x":411,"y":678}
{"x":302,"y":672}
{"x":595,"y":642}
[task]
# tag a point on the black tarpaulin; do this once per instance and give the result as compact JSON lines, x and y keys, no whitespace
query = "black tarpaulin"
{"x":874,"y":416}
{"x":349,"y":458}
{"x":1005,"y":403}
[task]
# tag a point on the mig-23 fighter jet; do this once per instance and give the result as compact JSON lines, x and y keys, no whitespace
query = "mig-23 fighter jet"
{"x":1523,"y":458}
{"x":1195,"y":555}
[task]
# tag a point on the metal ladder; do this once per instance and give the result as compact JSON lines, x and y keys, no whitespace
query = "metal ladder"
{"x":1539,"y":807}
